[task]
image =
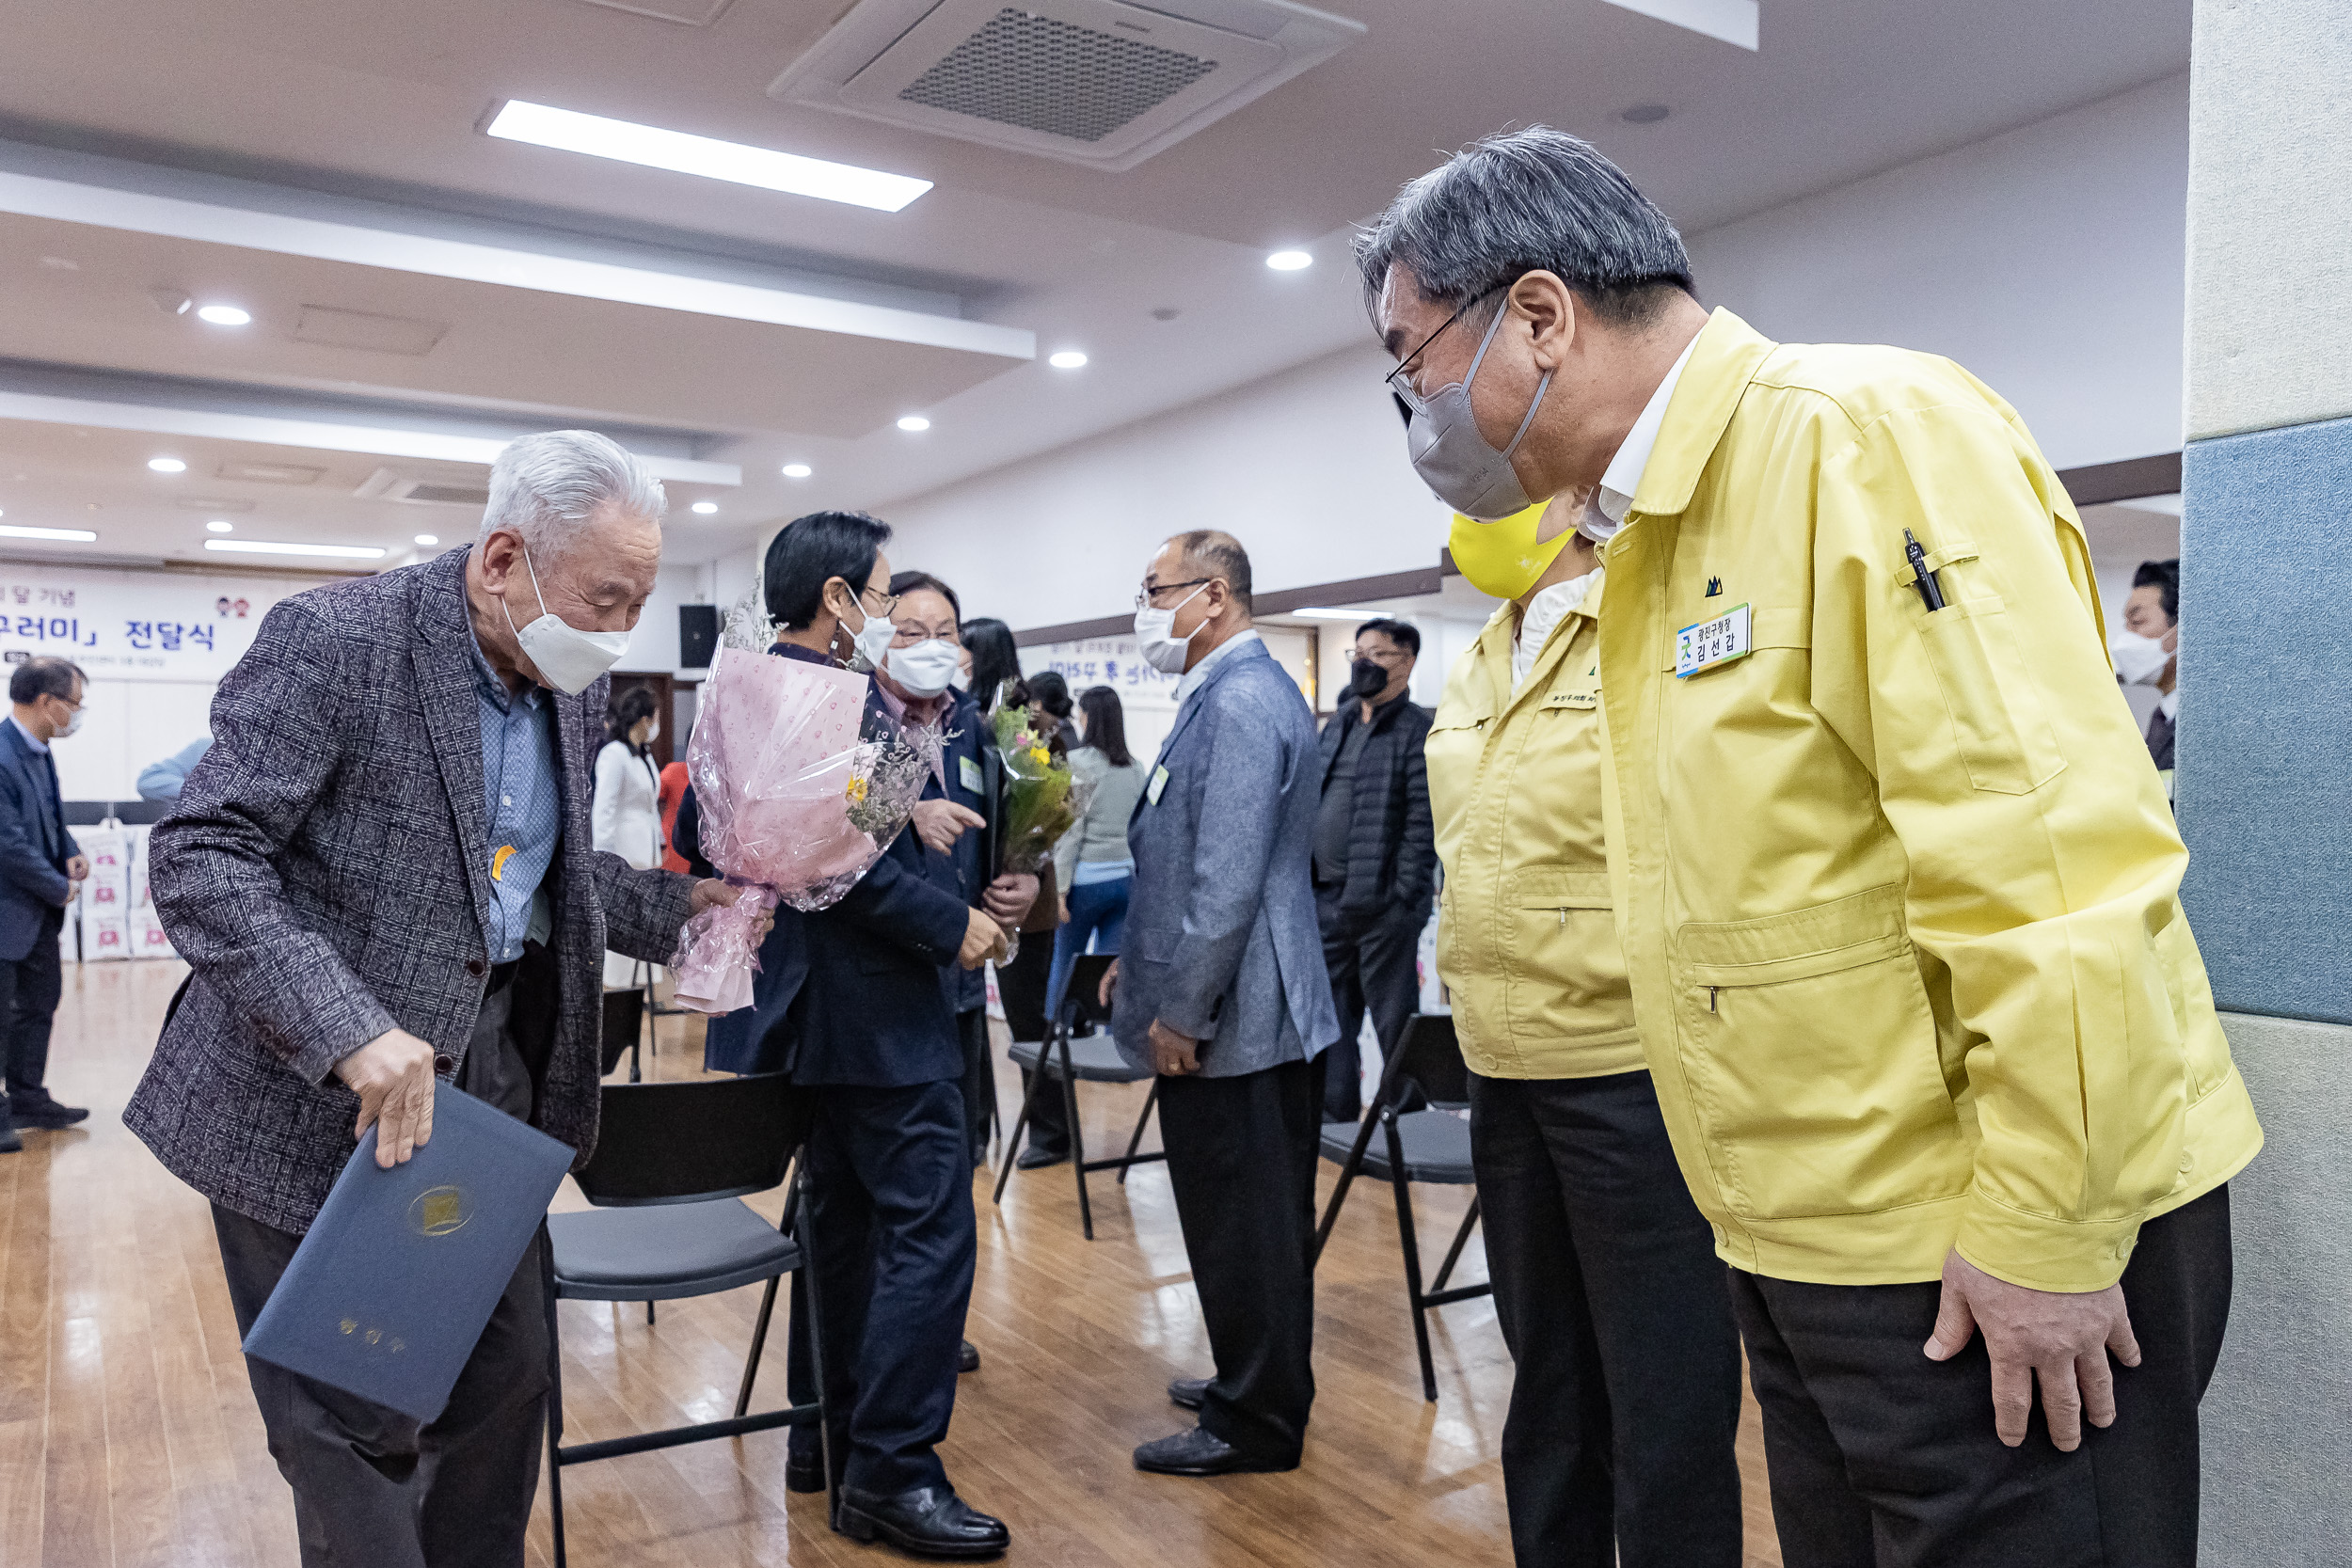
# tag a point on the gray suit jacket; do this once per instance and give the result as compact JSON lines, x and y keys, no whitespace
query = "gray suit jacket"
{"x":1221,"y":940}
{"x":324,"y":874}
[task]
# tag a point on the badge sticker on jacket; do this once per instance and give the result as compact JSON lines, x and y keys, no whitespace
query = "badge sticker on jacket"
{"x":968,"y":769}
{"x":1158,"y":785}
{"x":498,"y":857}
{"x":1713,"y":643}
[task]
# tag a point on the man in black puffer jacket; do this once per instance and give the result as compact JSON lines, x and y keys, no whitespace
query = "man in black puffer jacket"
{"x":1375,"y":854}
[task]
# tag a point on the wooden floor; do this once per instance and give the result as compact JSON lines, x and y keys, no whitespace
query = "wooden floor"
{"x":128,"y":1436}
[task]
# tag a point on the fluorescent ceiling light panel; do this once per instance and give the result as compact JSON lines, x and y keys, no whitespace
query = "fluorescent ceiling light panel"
{"x":270,"y":430}
{"x":653,"y":148}
{"x":267,"y":547}
{"x":80,"y":535}
{"x":1732,"y":21}
{"x":1320,"y":612}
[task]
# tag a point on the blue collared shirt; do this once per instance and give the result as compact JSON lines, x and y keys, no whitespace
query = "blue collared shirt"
{"x":522,"y":807}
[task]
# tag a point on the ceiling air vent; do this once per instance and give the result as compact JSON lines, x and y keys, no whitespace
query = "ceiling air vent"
{"x":1095,"y":82}
{"x":418,"y":489}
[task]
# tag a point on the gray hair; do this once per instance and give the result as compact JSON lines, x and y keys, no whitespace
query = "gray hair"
{"x":1529,"y":200}
{"x":545,"y":486}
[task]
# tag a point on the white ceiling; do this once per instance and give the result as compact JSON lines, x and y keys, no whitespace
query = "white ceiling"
{"x":375,"y":103}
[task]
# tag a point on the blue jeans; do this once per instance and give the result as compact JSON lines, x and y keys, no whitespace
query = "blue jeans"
{"x":1098,"y":914}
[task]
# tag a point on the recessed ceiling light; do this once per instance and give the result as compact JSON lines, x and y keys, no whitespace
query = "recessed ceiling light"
{"x":428,"y":538}
{"x":223,"y":315}
{"x":1289,"y":260}
{"x":216,"y":526}
{"x":167,"y":465}
{"x":654,"y":147}
{"x":797,"y":471}
{"x":706,"y":508}
{"x":266,"y":547}
{"x":80,"y":535}
{"x":1068,"y":359}
{"x":1645,"y":114}
{"x":59,"y":263}
{"x":914,"y":423}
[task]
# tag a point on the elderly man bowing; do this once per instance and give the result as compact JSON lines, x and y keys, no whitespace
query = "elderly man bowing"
{"x":381,"y":873}
{"x":1220,"y":988}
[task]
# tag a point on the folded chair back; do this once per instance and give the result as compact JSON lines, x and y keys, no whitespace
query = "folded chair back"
{"x":685,"y":1143}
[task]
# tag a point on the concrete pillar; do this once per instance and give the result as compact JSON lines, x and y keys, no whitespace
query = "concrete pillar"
{"x":2265,"y":776}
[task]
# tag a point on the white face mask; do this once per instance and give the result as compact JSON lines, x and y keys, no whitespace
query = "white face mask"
{"x":1161,"y":650}
{"x":2139,"y":660}
{"x":927,"y":669}
{"x":73,"y":722}
{"x":870,"y":643}
{"x":568,"y":659}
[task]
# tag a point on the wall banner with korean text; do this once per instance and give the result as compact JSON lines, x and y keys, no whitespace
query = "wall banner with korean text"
{"x":133,"y":625}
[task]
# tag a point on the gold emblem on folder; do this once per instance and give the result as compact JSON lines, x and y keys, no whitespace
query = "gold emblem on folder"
{"x":440,"y":1210}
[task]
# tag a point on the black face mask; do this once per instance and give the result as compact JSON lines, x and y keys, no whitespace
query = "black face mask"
{"x":1367,"y":680}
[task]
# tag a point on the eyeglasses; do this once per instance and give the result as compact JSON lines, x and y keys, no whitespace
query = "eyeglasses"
{"x":1388,"y":659}
{"x":889,"y":601}
{"x":914,"y":632}
{"x":1152,"y":589}
{"x":1407,"y":396}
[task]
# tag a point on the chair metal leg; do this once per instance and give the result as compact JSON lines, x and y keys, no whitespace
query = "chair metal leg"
{"x":836,"y":1460}
{"x":1021,"y":1124}
{"x":555,"y":1400}
{"x":1134,"y":1143}
{"x":649,"y":1314}
{"x":1454,"y":1252}
{"x":1412,"y":1254}
{"x":1077,"y":1134}
{"x":760,"y":1342}
{"x":1381,"y":1099}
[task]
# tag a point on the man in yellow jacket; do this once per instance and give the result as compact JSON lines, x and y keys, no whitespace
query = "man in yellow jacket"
{"x":1619,"y":1450}
{"x":1898,"y":882}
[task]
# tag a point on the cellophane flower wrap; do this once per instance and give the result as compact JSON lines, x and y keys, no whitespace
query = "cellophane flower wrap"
{"x":795,"y":806}
{"x":1042,"y":799}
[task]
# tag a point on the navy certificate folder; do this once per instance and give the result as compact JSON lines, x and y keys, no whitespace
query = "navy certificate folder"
{"x":396,"y":1280}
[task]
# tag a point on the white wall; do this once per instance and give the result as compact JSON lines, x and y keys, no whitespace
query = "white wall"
{"x":2047,"y":260}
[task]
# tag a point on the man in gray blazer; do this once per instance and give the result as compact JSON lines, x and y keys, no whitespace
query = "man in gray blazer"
{"x":381,"y":874}
{"x":1220,"y":988}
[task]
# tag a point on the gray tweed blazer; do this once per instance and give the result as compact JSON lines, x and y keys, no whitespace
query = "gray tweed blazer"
{"x":325,"y":876}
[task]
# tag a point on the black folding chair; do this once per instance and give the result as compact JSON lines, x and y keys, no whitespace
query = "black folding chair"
{"x":1069,"y":1061}
{"x":1423,"y":1083}
{"x":629,"y":1015}
{"x":673,"y":1163}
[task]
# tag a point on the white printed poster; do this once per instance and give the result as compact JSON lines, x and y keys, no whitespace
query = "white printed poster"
{"x":133,"y":625}
{"x":1147,"y":696}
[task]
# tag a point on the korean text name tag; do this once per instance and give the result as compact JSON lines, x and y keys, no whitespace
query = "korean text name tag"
{"x":1704,"y":647}
{"x":1158,"y":785}
{"x":969,"y":770}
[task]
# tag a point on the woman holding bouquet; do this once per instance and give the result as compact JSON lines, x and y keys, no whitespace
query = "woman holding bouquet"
{"x":857,"y":1001}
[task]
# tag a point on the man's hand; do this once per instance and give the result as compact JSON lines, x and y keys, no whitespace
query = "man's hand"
{"x":77,"y":870}
{"x":1009,"y":898}
{"x":983,"y":939}
{"x":392,"y":1074}
{"x":2061,"y":1338}
{"x":1110,"y":983}
{"x":1065,"y":908}
{"x":940,"y":823}
{"x":1172,"y":1052}
{"x":712,"y":894}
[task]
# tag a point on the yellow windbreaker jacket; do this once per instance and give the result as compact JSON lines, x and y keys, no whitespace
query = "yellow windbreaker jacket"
{"x":1900,"y":890}
{"x":1527,"y":941}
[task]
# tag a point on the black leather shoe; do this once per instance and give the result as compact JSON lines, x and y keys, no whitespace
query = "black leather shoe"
{"x":968,"y":1358}
{"x":1199,"y":1452}
{"x":1034,"y":1158}
{"x":1188,"y":1391}
{"x":804,"y":1475}
{"x":46,"y":1113}
{"x":10,"y":1142}
{"x":930,"y":1521}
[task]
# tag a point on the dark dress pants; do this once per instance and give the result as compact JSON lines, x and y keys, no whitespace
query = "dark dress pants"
{"x":1881,"y":1458}
{"x":1241,"y":1159}
{"x":29,"y":988}
{"x":1373,"y":969}
{"x":372,"y":1488}
{"x":890,"y":1220}
{"x":1619,"y":1444}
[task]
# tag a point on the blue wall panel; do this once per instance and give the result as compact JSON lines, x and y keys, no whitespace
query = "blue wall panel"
{"x":2264,"y":782}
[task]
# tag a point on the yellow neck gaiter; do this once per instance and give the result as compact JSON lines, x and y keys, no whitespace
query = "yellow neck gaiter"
{"x":1502,"y":558}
